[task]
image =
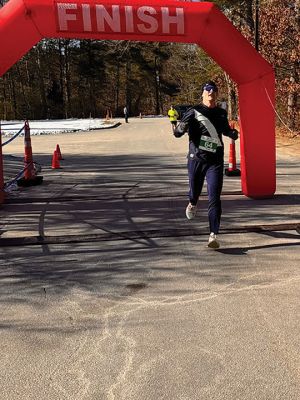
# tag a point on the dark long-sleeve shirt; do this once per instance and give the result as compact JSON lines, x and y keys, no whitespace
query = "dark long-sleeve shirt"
{"x":194,"y":122}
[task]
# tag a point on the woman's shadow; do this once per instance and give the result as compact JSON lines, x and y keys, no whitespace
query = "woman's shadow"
{"x":238,"y":251}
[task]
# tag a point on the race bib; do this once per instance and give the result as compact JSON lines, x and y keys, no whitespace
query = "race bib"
{"x":208,"y":144}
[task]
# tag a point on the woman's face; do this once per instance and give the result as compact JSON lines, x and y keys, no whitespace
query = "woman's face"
{"x":209,"y":95}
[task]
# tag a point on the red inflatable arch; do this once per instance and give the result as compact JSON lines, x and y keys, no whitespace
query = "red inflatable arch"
{"x":23,"y":23}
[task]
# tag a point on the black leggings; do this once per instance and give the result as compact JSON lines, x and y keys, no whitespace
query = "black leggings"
{"x":198,"y":171}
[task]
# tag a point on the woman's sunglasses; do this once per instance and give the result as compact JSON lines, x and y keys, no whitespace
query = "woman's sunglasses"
{"x":208,"y":88}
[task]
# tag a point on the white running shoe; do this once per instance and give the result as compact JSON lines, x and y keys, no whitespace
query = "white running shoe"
{"x":191,"y":211}
{"x":213,"y":243}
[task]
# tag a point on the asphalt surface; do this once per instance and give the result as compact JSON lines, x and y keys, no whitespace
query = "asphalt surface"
{"x":108,"y":292}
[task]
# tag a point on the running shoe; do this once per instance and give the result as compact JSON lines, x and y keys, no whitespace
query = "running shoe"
{"x":213,"y":243}
{"x":191,"y":211}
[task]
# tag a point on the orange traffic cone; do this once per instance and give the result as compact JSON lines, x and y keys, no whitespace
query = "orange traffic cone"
{"x":30,"y":178}
{"x":55,"y":160}
{"x":58,"y":152}
{"x":28,"y":160}
{"x":232,"y":170}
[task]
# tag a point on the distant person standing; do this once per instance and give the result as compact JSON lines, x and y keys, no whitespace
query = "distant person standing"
{"x":126,"y":114}
{"x":173,"y":116}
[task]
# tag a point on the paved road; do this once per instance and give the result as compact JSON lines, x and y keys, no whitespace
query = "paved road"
{"x":122,"y":299}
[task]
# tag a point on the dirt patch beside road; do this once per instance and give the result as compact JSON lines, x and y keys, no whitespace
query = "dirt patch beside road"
{"x":287,"y":142}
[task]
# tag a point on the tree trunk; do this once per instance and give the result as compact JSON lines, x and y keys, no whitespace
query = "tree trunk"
{"x":231,"y":98}
{"x":68,"y":78}
{"x":157,"y":88}
{"x":63,"y":78}
{"x":27,"y":108}
{"x":127,"y":85}
{"x":294,"y":79}
{"x":117,"y":87}
{"x":5,"y":100}
{"x":42,"y":86}
{"x":11,"y":84}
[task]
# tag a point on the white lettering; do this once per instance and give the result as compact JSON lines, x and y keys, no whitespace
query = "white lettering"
{"x":63,"y":16}
{"x":129,"y":19}
{"x":113,"y":21}
{"x":86,"y":17}
{"x":168,"y":19}
{"x":93,"y":18}
{"x":141,"y":13}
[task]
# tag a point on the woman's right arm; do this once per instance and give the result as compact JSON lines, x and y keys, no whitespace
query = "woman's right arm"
{"x":184,"y":123}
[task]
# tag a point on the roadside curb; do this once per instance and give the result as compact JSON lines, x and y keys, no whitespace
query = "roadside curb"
{"x":132,"y":235}
{"x":107,"y":127}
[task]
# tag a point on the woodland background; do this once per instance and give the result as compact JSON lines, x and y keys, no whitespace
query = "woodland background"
{"x":72,"y":78}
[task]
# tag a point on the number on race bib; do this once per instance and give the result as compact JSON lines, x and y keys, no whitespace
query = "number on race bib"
{"x":208,"y":144}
